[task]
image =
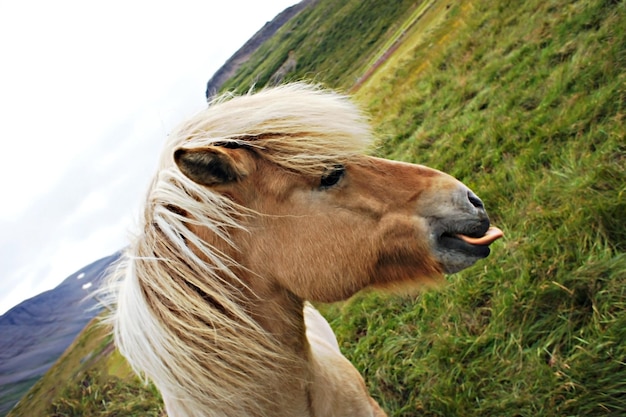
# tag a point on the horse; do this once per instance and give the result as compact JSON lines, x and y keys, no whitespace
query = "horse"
{"x":262,"y":204}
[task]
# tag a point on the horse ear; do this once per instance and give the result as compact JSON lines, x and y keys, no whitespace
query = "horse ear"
{"x":210,"y":166}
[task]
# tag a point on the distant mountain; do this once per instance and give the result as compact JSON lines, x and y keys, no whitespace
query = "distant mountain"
{"x":37,"y":331}
{"x":241,"y":56}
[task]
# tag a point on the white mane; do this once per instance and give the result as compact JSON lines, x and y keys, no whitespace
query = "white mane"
{"x":179,"y":317}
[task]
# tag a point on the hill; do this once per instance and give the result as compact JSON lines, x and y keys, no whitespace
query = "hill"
{"x":523,"y":101}
{"x":243,"y":54}
{"x":37,"y":331}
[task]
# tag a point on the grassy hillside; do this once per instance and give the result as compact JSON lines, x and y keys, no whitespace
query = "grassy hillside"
{"x":331,"y":42}
{"x":90,"y":379}
{"x":524,"y":101}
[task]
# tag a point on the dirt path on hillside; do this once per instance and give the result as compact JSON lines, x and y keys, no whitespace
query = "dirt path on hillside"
{"x":400,"y":36}
{"x":424,"y":20}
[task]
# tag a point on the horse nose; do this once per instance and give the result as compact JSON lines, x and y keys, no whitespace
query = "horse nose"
{"x":474,"y":200}
{"x":470,"y":203}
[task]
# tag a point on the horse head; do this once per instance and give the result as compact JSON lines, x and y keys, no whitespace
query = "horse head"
{"x":342,"y":222}
{"x":262,"y":202}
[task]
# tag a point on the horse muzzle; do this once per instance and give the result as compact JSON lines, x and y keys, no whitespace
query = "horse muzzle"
{"x":463,"y":236}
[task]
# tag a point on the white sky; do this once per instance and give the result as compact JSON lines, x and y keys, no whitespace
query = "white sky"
{"x":88,"y":92}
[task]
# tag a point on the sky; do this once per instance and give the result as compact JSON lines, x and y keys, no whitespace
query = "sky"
{"x":88,"y":93}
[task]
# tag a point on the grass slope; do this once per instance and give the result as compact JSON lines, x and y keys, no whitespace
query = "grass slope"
{"x":523,"y":101}
{"x":330,"y":42}
{"x":90,"y":379}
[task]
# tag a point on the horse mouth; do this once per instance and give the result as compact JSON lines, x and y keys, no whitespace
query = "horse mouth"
{"x":458,"y":250}
{"x":476,"y":244}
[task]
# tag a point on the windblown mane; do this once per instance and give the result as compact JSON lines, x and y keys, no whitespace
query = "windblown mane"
{"x":179,"y":319}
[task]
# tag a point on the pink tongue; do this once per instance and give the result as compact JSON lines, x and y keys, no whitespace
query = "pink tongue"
{"x":491,"y":236}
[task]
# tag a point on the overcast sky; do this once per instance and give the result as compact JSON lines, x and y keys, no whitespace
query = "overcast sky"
{"x":88,"y":92}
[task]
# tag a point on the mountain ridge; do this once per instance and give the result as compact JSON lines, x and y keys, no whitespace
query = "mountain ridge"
{"x":38,"y":330}
{"x":243,"y":54}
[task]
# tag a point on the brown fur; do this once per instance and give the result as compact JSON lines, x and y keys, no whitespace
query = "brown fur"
{"x":239,"y":231}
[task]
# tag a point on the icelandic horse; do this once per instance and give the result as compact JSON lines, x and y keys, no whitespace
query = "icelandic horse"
{"x":261,"y":203}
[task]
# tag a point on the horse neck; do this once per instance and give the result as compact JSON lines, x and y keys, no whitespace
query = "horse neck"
{"x":277,"y":310}
{"x":280,"y":313}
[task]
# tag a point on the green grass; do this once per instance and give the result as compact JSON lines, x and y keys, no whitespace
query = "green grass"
{"x":332,"y":43}
{"x":92,"y":395}
{"x":90,"y":379}
{"x":524,"y":101}
{"x":525,"y":105}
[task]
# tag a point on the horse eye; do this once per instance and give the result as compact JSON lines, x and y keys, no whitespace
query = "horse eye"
{"x":333,"y":176}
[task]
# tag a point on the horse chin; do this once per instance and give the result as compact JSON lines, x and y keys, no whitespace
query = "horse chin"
{"x":459,"y":245}
{"x":456,"y":255}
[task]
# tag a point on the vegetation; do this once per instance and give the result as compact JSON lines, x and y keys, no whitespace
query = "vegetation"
{"x":332,"y":42}
{"x":524,"y":101}
{"x":91,"y":379}
{"x":92,"y":396}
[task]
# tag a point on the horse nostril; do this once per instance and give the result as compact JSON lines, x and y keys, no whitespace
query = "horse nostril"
{"x":476,"y":202}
